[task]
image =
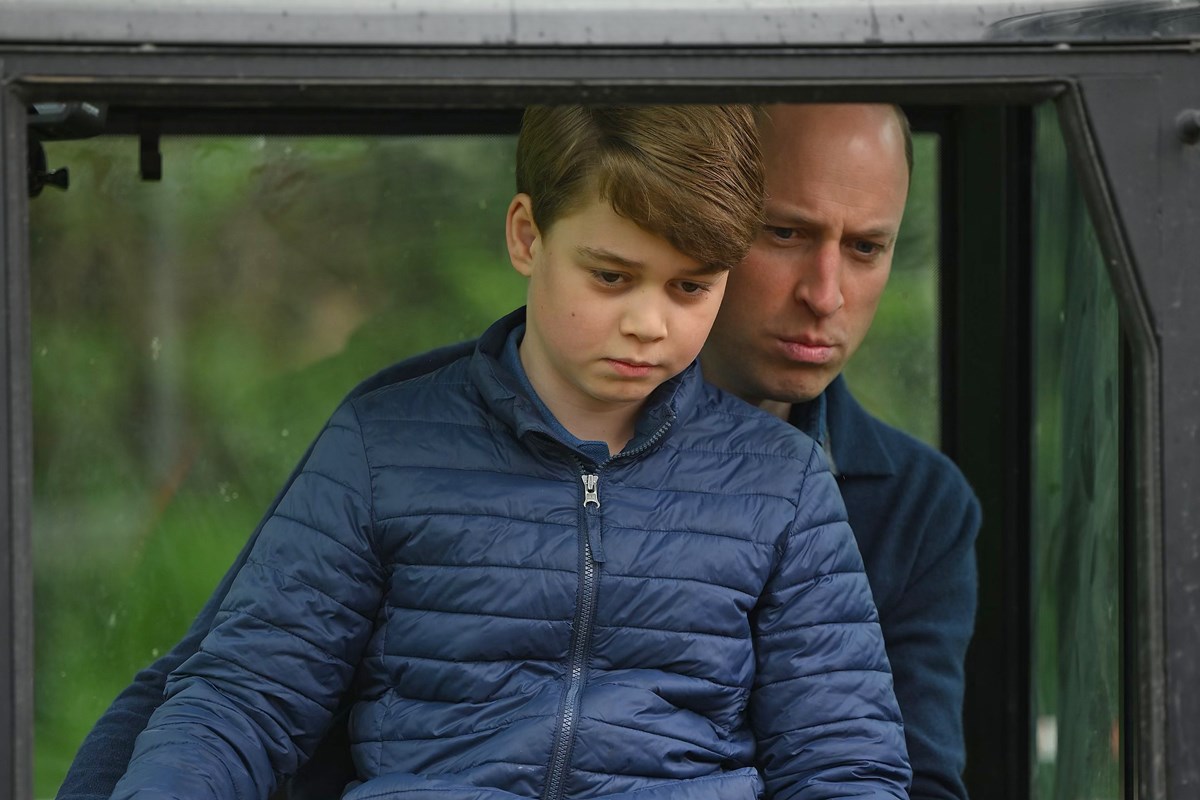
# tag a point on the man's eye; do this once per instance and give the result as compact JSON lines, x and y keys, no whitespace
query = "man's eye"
{"x":867,"y":248}
{"x":780,"y":233}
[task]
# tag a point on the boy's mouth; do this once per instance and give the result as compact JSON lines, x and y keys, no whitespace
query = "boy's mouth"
{"x":630,"y":368}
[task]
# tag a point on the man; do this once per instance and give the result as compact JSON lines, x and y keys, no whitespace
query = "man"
{"x":794,"y":313}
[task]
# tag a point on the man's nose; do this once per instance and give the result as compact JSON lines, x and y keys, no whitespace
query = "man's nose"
{"x":820,"y":284}
{"x":644,"y":318}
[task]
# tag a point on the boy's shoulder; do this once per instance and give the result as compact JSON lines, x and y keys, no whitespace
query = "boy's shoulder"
{"x":441,"y":392}
{"x":726,"y":421}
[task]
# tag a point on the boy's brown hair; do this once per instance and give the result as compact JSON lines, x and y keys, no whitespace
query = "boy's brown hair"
{"x":691,"y":174}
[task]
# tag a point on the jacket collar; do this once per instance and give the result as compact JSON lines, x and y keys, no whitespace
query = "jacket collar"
{"x":842,"y":426}
{"x":508,"y":400}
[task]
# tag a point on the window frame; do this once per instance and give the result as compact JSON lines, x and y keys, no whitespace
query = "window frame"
{"x":1117,"y":104}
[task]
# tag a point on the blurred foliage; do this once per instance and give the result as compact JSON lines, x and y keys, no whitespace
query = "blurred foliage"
{"x":191,"y":336}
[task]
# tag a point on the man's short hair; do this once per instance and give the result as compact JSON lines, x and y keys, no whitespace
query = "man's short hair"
{"x":691,"y":174}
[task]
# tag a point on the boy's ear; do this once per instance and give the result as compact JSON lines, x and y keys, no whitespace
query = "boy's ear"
{"x":522,"y":234}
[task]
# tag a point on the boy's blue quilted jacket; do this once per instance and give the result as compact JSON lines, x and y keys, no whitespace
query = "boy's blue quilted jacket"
{"x":686,"y":621}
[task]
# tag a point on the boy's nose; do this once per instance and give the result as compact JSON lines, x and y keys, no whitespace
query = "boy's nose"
{"x":644,"y":320}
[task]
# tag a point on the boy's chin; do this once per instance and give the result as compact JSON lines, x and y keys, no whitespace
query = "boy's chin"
{"x":623,"y":399}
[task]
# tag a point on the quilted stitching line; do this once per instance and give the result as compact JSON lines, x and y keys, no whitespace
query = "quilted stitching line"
{"x":268,"y":679}
{"x":668,"y":630}
{"x":352,"y":489}
{"x":485,"y":567}
{"x":674,"y":579}
{"x":811,"y":625}
{"x":293,"y":578}
{"x":470,"y":515}
{"x":823,"y":673}
{"x":329,"y":536}
{"x":482,"y":614}
{"x":333,"y":657}
{"x":443,"y":737}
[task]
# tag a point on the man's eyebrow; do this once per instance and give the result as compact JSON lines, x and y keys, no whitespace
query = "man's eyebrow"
{"x":878,"y":233}
{"x":788,"y":219}
{"x":793,"y":219}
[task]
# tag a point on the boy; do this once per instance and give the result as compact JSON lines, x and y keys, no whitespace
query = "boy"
{"x":563,"y":566}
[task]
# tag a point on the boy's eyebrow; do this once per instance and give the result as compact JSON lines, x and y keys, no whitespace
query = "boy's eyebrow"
{"x":601,"y":254}
{"x":608,"y":256}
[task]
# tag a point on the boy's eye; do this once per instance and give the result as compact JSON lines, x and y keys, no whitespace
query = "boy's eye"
{"x":692,"y":288}
{"x":607,"y":278}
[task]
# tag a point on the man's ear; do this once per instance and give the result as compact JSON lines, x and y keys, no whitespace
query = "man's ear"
{"x":522,"y":234}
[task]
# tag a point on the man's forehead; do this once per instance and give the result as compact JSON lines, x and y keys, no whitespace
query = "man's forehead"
{"x":836,"y":165}
{"x":790,"y":131}
{"x":815,"y":188}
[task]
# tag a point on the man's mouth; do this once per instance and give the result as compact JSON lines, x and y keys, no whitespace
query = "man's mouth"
{"x":808,"y":350}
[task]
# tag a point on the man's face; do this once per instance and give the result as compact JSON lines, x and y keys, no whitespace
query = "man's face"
{"x":799,"y":305}
{"x":613,"y":310}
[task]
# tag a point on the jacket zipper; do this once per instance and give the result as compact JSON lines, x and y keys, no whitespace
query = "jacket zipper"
{"x":585,"y":616}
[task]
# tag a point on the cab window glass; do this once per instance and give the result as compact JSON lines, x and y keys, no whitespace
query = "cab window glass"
{"x":1076,"y":499}
{"x":191,"y":335}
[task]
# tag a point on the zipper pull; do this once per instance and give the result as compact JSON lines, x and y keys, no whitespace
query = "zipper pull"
{"x":591,"y":495}
{"x":593,"y":522}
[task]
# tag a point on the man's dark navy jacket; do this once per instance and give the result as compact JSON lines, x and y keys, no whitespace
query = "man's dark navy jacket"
{"x":914,"y":517}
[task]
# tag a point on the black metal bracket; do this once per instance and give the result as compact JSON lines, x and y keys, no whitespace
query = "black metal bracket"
{"x":58,"y":121}
{"x":1187,"y":125}
{"x":149,"y":157}
{"x":39,"y":175}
